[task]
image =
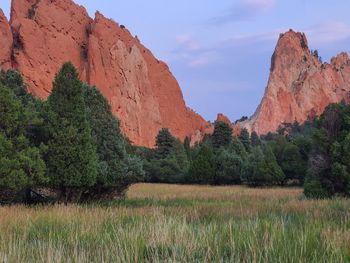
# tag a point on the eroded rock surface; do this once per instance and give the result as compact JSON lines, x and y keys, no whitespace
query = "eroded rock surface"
{"x":143,"y":93}
{"x":300,"y":85}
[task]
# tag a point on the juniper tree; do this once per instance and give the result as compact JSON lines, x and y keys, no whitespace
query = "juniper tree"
{"x":72,"y":155}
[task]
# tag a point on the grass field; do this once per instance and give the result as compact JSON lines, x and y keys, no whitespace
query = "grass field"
{"x":164,"y":223}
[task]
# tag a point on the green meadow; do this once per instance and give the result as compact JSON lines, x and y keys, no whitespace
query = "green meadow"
{"x":174,"y":223}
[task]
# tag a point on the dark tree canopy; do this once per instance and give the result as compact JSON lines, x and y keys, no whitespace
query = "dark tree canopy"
{"x":222,"y":135}
{"x":72,"y":153}
{"x":164,"y":142}
{"x":202,"y":169}
{"x":245,"y":139}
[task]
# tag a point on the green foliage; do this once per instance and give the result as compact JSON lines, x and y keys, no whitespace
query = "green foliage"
{"x":222,"y":135}
{"x":13,"y":117}
{"x":85,"y":152}
{"x":164,"y":143}
{"x":71,"y":158}
{"x":238,"y":148}
{"x":229,"y":167}
{"x":329,"y":167}
{"x":245,"y":139}
{"x":187,"y":146}
{"x":314,"y":189}
{"x":21,"y":166}
{"x":292,"y":164}
{"x":255,"y":140}
{"x":169,"y":162}
{"x":262,"y":168}
{"x":290,"y":159}
{"x":115,"y":169}
{"x":202,"y":169}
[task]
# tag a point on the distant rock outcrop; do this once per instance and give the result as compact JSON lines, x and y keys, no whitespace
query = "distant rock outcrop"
{"x":300,"y":85}
{"x":236,"y":129}
{"x":144,"y":95}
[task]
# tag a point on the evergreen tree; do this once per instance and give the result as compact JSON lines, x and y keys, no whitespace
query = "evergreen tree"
{"x":13,"y":81}
{"x":255,"y":140}
{"x":116,"y":170}
{"x":252,"y":172}
{"x":245,"y":139}
{"x":187,"y":146}
{"x":271,"y":172}
{"x":329,"y":168}
{"x":21,"y":166}
{"x":238,"y":148}
{"x":262,"y":168}
{"x":71,"y":158}
{"x":202,"y":169}
{"x":292,"y":164}
{"x":169,"y":161}
{"x":229,"y":167}
{"x":222,"y":135}
{"x":164,"y":143}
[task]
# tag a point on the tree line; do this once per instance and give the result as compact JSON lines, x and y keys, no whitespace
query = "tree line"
{"x":69,"y":148}
{"x":315,"y":155}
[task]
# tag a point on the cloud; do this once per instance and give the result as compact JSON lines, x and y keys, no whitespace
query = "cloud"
{"x":261,"y":5}
{"x":203,"y":59}
{"x":328,"y":33}
{"x":244,"y":10}
{"x":191,"y":53}
{"x":187,"y":42}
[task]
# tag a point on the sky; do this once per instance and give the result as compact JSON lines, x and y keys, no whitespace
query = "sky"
{"x":220,"y":51}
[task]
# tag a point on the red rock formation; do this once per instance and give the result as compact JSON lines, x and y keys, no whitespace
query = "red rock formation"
{"x":236,"y":129}
{"x":48,"y":34}
{"x":6,"y":42}
{"x":143,"y":93}
{"x":300,"y":86}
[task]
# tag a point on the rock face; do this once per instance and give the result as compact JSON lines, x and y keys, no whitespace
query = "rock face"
{"x":300,"y":86}
{"x":144,"y":95}
{"x":236,"y":129}
{"x":6,"y":42}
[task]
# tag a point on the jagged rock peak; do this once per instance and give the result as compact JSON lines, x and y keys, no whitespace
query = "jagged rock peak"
{"x":143,"y":93}
{"x":300,"y":85}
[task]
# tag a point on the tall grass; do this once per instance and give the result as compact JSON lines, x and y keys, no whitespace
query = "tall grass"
{"x":162,"y":223}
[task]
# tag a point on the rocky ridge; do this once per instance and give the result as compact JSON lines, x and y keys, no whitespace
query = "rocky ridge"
{"x":43,"y":34}
{"x":300,"y":86}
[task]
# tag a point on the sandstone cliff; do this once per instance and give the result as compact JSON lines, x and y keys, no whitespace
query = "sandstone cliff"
{"x":144,"y":95}
{"x":300,"y":85}
{"x":6,"y":42}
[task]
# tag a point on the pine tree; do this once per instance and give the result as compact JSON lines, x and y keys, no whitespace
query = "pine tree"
{"x":229,"y":167}
{"x":271,"y":172}
{"x":202,"y":169}
{"x":164,"y":143}
{"x":222,"y":135}
{"x":255,"y":140}
{"x":72,"y":155}
{"x":169,"y":164}
{"x":252,"y":173}
{"x":292,"y":163}
{"x":245,"y":139}
{"x":187,"y":146}
{"x":262,"y":168}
